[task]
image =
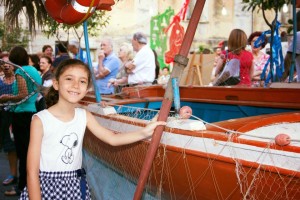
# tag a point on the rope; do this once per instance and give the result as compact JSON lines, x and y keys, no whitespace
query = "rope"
{"x":87,"y":13}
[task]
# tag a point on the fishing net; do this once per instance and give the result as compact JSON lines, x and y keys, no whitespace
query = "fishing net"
{"x":190,"y":164}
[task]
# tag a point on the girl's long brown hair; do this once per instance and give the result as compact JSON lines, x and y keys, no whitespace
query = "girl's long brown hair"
{"x":237,"y":41}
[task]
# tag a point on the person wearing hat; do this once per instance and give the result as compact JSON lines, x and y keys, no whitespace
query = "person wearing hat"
{"x":142,"y":68}
{"x":77,"y":52}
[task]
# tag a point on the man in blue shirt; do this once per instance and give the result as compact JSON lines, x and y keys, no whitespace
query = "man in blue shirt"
{"x":108,"y":67}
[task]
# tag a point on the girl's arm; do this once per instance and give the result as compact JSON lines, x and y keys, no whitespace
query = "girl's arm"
{"x":256,"y":75}
{"x":33,"y":159}
{"x":114,"y":139}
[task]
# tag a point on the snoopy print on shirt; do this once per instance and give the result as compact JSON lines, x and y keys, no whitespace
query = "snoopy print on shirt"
{"x":70,"y":142}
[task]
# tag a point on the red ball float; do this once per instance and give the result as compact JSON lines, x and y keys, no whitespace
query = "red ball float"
{"x":282,"y":139}
{"x":185,"y":112}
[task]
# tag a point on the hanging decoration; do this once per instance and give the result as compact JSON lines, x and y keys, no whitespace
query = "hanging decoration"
{"x":158,"y":39}
{"x":75,"y":11}
{"x":274,"y":73}
{"x":177,"y":33}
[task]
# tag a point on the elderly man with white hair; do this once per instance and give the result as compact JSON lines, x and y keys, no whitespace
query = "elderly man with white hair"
{"x":108,"y":67}
{"x":142,"y":68}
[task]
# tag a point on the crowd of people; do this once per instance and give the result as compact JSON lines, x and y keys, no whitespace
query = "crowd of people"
{"x":254,"y":65}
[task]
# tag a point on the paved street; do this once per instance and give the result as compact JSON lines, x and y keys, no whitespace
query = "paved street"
{"x":4,"y":171}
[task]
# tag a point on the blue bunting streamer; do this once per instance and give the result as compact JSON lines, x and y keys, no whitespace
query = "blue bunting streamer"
{"x":276,"y":50}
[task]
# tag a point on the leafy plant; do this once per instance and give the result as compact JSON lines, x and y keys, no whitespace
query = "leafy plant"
{"x":264,"y":4}
{"x":95,"y":23}
{"x":33,"y":10}
{"x":11,"y":37}
{"x":37,"y":16}
{"x":201,"y":48}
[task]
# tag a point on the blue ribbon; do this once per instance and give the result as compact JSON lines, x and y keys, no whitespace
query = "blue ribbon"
{"x":276,"y":50}
{"x":175,"y":86}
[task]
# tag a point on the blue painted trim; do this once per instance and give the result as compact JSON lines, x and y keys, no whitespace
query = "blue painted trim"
{"x":212,"y":112}
{"x":175,"y":87}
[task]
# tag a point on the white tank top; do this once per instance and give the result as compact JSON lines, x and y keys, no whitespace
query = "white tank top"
{"x":61,"y":148}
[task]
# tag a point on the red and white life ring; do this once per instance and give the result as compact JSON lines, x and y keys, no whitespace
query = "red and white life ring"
{"x":75,"y":11}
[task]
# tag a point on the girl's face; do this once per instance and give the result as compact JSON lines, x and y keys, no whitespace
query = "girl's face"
{"x":44,"y":65}
{"x":73,"y":84}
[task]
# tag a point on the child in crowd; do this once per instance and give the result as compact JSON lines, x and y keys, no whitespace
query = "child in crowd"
{"x":164,"y":77}
{"x":55,"y":149}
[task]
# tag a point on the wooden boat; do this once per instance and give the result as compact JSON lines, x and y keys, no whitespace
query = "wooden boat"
{"x":229,"y":152}
{"x":221,"y":103}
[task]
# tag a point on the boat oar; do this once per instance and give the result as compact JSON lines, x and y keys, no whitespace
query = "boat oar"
{"x":181,"y":61}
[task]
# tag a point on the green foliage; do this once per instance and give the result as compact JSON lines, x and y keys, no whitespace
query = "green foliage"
{"x":201,"y":48}
{"x":264,"y":4}
{"x":36,"y":15}
{"x":95,"y":23}
{"x":11,"y":37}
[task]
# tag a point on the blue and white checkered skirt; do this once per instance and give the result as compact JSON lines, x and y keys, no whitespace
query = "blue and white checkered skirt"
{"x":70,"y":185}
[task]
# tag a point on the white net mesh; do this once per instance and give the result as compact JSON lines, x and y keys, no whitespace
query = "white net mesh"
{"x":193,"y":164}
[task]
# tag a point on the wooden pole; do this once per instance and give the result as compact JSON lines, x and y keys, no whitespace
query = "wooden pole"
{"x":188,"y":79}
{"x":199,"y":69}
{"x":181,"y":61}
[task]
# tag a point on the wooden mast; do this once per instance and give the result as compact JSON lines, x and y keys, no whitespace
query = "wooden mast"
{"x":181,"y":61}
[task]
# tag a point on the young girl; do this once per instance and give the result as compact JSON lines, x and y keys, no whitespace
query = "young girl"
{"x":55,"y":149}
{"x":237,"y":43}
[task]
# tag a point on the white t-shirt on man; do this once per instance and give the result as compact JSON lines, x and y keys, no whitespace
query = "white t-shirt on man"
{"x":144,"y":71}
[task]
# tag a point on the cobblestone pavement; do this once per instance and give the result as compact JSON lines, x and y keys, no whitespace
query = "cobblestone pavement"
{"x":4,"y":171}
